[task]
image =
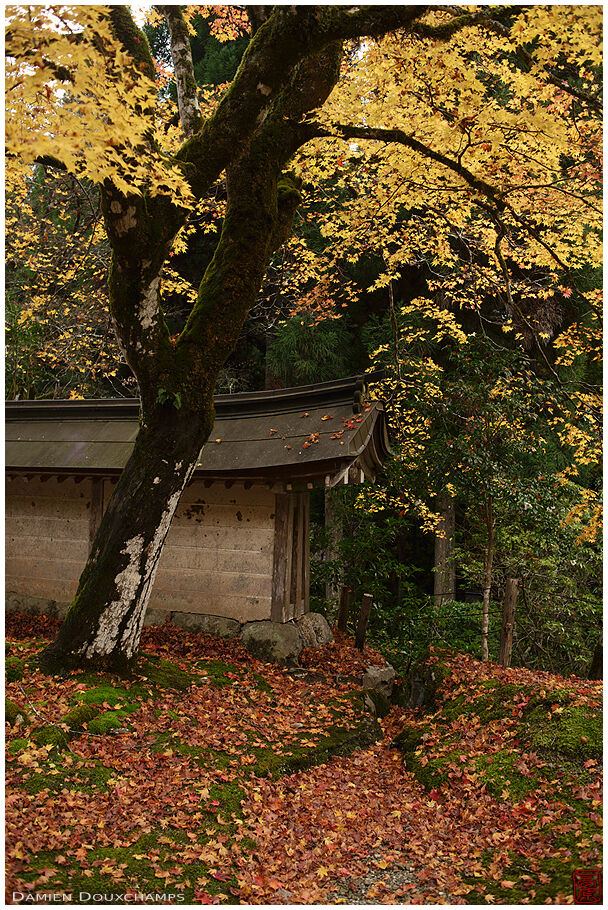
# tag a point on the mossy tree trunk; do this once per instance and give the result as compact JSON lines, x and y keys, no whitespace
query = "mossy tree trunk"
{"x":176,"y":377}
{"x":289,"y":69}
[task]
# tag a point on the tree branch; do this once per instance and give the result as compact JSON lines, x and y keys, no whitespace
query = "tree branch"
{"x":399,"y":136}
{"x":288,"y":36}
{"x":181,"y":54}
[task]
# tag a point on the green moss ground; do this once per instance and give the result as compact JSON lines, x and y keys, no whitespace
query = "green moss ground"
{"x":558,"y":733}
{"x":104,"y":705}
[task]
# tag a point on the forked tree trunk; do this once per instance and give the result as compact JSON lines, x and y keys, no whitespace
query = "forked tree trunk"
{"x":487,"y":578}
{"x":103,"y":624}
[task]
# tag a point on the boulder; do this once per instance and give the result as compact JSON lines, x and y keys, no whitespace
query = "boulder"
{"x":381,"y":679}
{"x":220,"y":626}
{"x":276,"y":642}
{"x":314,"y":630}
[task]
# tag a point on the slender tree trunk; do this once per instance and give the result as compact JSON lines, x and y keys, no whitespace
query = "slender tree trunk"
{"x":104,"y":622}
{"x":444,"y":583}
{"x":509,"y":605}
{"x":596,"y":668}
{"x":487,"y":577}
{"x":335,"y":532}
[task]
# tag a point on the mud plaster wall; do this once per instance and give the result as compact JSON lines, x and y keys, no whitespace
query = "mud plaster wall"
{"x":217,"y":560}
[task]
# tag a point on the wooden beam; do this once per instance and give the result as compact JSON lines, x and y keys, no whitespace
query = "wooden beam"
{"x":306,"y":553}
{"x":280,"y":559}
{"x":299,"y":554}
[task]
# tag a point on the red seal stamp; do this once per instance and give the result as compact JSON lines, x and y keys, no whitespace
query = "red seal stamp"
{"x":587,"y":886}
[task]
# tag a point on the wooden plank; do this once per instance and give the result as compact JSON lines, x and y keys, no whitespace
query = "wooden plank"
{"x":224,"y":515}
{"x":250,"y":539}
{"x":213,"y":584}
{"x":38,"y":586}
{"x":238,"y":495}
{"x":366,"y":607}
{"x":33,"y":507}
{"x":279,"y":558}
{"x":211,"y":559}
{"x":96,"y":513}
{"x":47,"y":568}
{"x":48,"y":488}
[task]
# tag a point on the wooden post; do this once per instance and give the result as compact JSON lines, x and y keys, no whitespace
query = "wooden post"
{"x":343,"y":610}
{"x":366,"y":607}
{"x":508,"y":621}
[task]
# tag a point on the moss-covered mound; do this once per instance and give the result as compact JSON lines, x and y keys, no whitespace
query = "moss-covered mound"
{"x":526,"y":743}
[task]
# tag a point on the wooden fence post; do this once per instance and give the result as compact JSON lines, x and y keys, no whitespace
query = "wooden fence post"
{"x":366,"y":606}
{"x":508,"y":620}
{"x":343,"y":610}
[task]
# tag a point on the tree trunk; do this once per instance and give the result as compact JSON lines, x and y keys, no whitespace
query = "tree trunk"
{"x":508,"y":621}
{"x":596,"y":668}
{"x":445,"y":573}
{"x":335,"y":533}
{"x":487,"y":578}
{"x":103,"y":624}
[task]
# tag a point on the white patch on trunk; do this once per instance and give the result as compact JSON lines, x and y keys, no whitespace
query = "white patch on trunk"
{"x":127,"y":583}
{"x":156,"y":480}
{"x":148,"y":308}
{"x":178,"y":465}
{"x":130,"y":580}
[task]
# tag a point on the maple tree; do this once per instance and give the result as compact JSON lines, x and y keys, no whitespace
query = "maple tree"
{"x":476,"y":122}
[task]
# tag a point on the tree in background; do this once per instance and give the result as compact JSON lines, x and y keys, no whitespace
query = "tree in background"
{"x":467,"y":125}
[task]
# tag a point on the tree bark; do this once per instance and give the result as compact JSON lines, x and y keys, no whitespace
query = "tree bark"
{"x":509,"y":605}
{"x":104,"y":622}
{"x":335,"y":533}
{"x":444,"y":582}
{"x":596,"y":668}
{"x":176,"y":377}
{"x":487,"y":577}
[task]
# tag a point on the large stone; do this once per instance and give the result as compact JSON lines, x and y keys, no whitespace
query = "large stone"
{"x":220,"y":626}
{"x":314,"y":630}
{"x":155,"y":617}
{"x":273,"y":641}
{"x":381,"y":679}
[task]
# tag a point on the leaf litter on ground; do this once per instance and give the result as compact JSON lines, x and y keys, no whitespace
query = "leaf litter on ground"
{"x":195,"y":793}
